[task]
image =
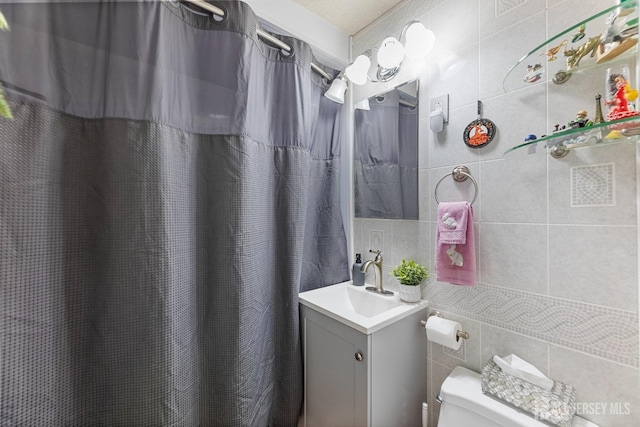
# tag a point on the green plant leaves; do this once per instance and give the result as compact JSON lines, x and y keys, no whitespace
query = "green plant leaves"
{"x":410,"y":273}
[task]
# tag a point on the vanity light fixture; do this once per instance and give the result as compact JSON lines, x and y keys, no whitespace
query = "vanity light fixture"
{"x":363,"y":105}
{"x":418,"y":42}
{"x":357,"y":72}
{"x":337,"y":89}
{"x":390,"y":56}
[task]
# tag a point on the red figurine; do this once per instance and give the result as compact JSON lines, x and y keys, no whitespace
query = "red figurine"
{"x":619,"y":105}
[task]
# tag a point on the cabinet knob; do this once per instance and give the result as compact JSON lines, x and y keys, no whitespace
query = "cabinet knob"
{"x":359,"y":356}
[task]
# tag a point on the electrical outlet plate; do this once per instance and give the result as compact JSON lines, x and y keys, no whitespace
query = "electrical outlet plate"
{"x":443,"y":102}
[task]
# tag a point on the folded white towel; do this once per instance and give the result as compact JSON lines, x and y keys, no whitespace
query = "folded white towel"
{"x":522,"y":369}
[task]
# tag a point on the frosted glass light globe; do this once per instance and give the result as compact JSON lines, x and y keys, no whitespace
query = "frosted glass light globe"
{"x":336,"y":90}
{"x":363,"y":105}
{"x":418,"y":41}
{"x":357,"y":72}
{"x":391,"y":53}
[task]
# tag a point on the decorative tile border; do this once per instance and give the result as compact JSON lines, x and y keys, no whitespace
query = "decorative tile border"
{"x":460,"y":354}
{"x":601,"y":331}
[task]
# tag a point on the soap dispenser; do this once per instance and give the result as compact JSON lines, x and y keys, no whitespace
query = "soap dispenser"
{"x":358,"y":275}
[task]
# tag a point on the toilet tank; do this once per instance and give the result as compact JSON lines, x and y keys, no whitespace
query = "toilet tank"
{"x":464,"y":404}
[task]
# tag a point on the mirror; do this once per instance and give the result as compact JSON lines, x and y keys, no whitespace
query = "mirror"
{"x":386,"y":155}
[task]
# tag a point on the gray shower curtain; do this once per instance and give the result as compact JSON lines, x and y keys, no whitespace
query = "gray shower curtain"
{"x":386,"y":159}
{"x":167,"y":187}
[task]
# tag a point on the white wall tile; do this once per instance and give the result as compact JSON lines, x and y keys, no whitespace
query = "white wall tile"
{"x":448,"y":147}
{"x":457,"y":74}
{"x":622,"y":213}
{"x":501,"y":51}
{"x":598,"y":382}
{"x":432,"y":243}
{"x":515,"y":115}
{"x":501,"y":342}
{"x":425,"y":249}
{"x":424,"y":133}
{"x":562,"y":13}
{"x":514,"y":189}
{"x":491,"y":23}
{"x":425,"y":199}
{"x":465,"y":31}
{"x":598,"y":265}
{"x":358,"y":242}
{"x":405,"y":243}
{"x":514,"y":256}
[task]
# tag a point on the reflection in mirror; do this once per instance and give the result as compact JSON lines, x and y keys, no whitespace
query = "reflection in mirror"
{"x":386,"y":155}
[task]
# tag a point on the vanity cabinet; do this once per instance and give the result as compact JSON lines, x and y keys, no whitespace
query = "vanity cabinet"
{"x":355,"y":378}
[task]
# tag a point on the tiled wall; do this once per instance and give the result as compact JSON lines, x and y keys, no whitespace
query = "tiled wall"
{"x":557,"y":264}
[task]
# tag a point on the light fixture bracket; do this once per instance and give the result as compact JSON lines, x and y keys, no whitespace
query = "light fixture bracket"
{"x":386,"y":74}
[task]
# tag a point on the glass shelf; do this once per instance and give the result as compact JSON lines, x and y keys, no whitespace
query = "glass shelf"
{"x":533,"y":68}
{"x":560,"y":143}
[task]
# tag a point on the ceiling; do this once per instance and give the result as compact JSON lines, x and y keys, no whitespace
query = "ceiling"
{"x":349,"y":16}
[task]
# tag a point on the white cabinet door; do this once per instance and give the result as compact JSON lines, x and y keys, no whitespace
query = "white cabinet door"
{"x":336,"y":382}
{"x":399,"y":373}
{"x":385,"y":388}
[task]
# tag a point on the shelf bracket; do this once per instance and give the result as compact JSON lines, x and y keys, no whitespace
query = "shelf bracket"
{"x":558,"y":151}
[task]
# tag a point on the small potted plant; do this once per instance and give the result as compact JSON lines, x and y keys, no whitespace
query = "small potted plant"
{"x":410,"y":274}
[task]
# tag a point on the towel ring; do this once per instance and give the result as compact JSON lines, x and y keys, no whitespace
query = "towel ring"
{"x":459,"y":174}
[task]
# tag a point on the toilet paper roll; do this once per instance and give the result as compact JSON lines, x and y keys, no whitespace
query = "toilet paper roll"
{"x":444,"y":332}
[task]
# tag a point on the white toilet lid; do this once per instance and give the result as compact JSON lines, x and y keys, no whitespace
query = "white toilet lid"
{"x":462,"y":388}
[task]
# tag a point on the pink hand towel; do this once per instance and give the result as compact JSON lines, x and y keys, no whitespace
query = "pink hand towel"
{"x":452,"y":222}
{"x":455,"y":244}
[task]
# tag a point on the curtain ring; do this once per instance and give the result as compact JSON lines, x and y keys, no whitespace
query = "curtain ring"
{"x":460,"y":174}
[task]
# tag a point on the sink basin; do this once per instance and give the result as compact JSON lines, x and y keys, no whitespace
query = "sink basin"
{"x":358,"y":308}
{"x":369,"y":304}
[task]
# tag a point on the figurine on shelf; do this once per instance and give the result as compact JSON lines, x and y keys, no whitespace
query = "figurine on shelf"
{"x":622,"y":94}
{"x":625,"y":8}
{"x":574,"y":56}
{"x":580,"y":120}
{"x":617,"y":38}
{"x":534,"y":73}
{"x":613,"y":29}
{"x":558,"y":128}
{"x":551,"y":53}
{"x":580,"y":34}
{"x":599,"y":117}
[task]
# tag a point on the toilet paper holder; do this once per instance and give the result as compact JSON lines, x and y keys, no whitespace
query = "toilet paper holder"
{"x":460,"y":334}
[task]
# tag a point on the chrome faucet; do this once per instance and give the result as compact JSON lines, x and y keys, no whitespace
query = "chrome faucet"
{"x":377,"y":268}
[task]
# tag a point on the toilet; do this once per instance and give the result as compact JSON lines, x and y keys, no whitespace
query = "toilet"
{"x":464,"y":404}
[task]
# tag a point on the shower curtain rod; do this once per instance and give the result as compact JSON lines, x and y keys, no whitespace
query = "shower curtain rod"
{"x":261,"y":33}
{"x":406,"y":103}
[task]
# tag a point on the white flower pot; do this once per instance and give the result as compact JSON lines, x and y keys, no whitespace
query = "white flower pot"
{"x":410,"y":293}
